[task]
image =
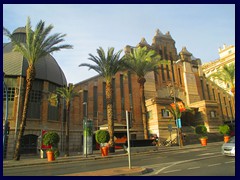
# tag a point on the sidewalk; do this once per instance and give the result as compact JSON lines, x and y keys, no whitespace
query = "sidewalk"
{"x":122,"y":171}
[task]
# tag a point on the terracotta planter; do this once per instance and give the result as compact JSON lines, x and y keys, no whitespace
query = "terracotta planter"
{"x":226,"y":138}
{"x":203,"y":141}
{"x":104,"y":151}
{"x":50,"y":156}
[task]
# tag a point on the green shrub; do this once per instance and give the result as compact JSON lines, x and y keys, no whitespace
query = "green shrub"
{"x":201,"y":130}
{"x":224,"y":129}
{"x":102,"y":136}
{"x":51,"y":138}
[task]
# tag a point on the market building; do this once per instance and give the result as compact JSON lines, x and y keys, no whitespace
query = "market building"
{"x":41,"y":114}
{"x":183,"y":79}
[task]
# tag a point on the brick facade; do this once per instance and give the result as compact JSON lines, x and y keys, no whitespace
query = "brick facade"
{"x":212,"y":105}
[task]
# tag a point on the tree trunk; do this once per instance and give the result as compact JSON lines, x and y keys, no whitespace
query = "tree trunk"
{"x":233,"y":91}
{"x":141,"y":82}
{"x":29,"y":79}
{"x":110,"y":115}
{"x":67,"y":130}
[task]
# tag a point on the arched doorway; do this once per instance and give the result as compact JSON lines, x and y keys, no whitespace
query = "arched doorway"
{"x":29,"y":144}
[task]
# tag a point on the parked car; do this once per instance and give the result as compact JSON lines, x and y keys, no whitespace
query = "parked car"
{"x":228,"y":148}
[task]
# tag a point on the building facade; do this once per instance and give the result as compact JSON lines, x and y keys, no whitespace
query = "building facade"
{"x":42,"y":116}
{"x":182,"y":79}
{"x":226,"y":57}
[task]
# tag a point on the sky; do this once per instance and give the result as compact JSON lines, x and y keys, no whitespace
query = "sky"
{"x":201,"y":28}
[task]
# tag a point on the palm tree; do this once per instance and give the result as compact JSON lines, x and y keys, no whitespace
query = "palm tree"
{"x":226,"y":75}
{"x":142,"y":61}
{"x":67,"y":94}
{"x":107,"y":66}
{"x":38,"y":44}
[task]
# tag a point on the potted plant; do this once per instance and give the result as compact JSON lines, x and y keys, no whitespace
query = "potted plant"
{"x":102,"y":137}
{"x":202,"y":131}
{"x":225,"y":130}
{"x":52,"y":139}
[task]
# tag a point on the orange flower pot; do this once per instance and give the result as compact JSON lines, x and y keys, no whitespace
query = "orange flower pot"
{"x":104,"y":151}
{"x":203,"y":141}
{"x":226,"y":138}
{"x":50,"y":156}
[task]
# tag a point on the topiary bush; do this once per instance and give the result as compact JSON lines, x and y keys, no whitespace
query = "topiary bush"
{"x":51,"y":138}
{"x":224,"y":129}
{"x":102,"y":136}
{"x":201,"y":130}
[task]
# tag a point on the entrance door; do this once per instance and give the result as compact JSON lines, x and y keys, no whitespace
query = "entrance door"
{"x":29,"y":144}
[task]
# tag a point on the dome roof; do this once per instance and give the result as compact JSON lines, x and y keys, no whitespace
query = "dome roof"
{"x":46,"y":68}
{"x":20,"y":30}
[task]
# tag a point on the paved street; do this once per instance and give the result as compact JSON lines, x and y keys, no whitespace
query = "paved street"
{"x":163,"y":162}
{"x":207,"y":164}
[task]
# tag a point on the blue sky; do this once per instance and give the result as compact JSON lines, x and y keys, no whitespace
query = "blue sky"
{"x":202,"y":28}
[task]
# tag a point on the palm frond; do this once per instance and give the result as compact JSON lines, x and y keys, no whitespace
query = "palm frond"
{"x":105,"y":64}
{"x":38,"y":42}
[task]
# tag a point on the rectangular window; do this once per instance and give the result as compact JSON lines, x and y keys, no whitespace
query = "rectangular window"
{"x":209,"y":97}
{"x":9,"y":88}
{"x":130,"y":95}
{"x":162,"y":70}
{"x":53,"y":113}
{"x":180,"y":77}
{"x":114,"y":98}
{"x":220,"y":103}
{"x":226,"y":109}
{"x":95,"y":101}
{"x":202,"y":89}
{"x":9,"y":85}
{"x":34,"y":106}
{"x":168,"y":74}
{"x":213,"y":114}
{"x":104,"y":101}
{"x":165,"y":113}
{"x":172,"y":70}
{"x":122,"y":97}
{"x":213,"y":91}
{"x":52,"y":87}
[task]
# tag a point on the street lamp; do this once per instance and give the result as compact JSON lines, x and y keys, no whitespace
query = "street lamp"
{"x":175,"y":103}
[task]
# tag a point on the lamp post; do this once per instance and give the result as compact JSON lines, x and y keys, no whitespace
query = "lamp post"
{"x":175,"y":103}
{"x":84,"y":129}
